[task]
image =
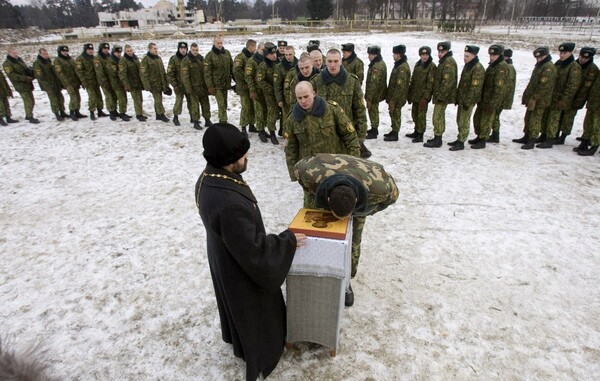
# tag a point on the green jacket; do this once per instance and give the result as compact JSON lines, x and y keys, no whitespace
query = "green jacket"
{"x":375,"y":188}
{"x":495,"y":84}
{"x":251,"y":71}
{"x":192,"y":75}
{"x":19,"y":74}
{"x":129,"y":73}
{"x":397,"y":91}
{"x":291,"y":80}
{"x":152,"y":72}
{"x":422,"y":80}
{"x":469,"y":88}
{"x":446,"y":77}
{"x":593,"y":101}
{"x":356,"y":66}
{"x":45,"y":73}
{"x":84,"y":66}
{"x":511,"y":83}
{"x":218,"y":69}
{"x":376,"y":87}
{"x":541,"y":84}
{"x":281,"y":72}
{"x":239,"y":68}
{"x":5,"y":90}
{"x":345,"y":90}
{"x":568,"y":80}
{"x":265,"y":77}
{"x":325,"y":129}
{"x":112,"y":73}
{"x":174,"y":72}
{"x":101,"y":62}
{"x":65,"y":69}
{"x":589,"y":73}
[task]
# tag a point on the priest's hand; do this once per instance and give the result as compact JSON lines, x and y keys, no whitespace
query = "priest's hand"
{"x":300,"y":240}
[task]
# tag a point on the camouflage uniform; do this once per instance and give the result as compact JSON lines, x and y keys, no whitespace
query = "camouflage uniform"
{"x":589,"y":73}
{"x":468,"y":94}
{"x":292,"y":78}
{"x":376,"y":89}
{"x":45,"y":73}
{"x":101,"y":62}
{"x":444,"y":91}
{"x":174,"y":79}
{"x":247,"y":116}
{"x":380,"y":190}
{"x":112,"y":73}
{"x":592,"y":115}
{"x":260,"y":106}
{"x":129,"y":73}
{"x":326,"y":129}
{"x":65,"y":69}
{"x":265,"y":78}
{"x":509,"y":95}
{"x":154,"y":78}
{"x":218,"y":71}
{"x":5,"y":93}
{"x":281,"y":72}
{"x":84,"y":66}
{"x":568,"y":80}
{"x":21,"y":77}
{"x":192,"y":78}
{"x":539,"y":93}
{"x":495,"y":87}
{"x":397,"y":91}
{"x":420,"y":91}
{"x":356,"y":66}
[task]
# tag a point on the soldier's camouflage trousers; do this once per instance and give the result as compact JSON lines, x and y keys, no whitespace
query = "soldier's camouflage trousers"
{"x":463,"y":122}
{"x":138,"y":102}
{"x":94,"y":98}
{"x":121,"y":97}
{"x":272,"y":110}
{"x":57,"y":101}
{"x":247,"y":113}
{"x":159,"y":109}
{"x":260,"y":111}
{"x":358,"y":224}
{"x":373,"y":110}
{"x":28,"y":102}
{"x":4,"y":107}
{"x":178,"y":106}
{"x":110,"y":97}
{"x":484,"y":122}
{"x":395,"y":116}
{"x":591,"y":127}
{"x":496,"y":125}
{"x":74,"y":98}
{"x":567,"y":121}
{"x":554,"y":121}
{"x":439,"y":118}
{"x":197,"y":100}
{"x":221,"y":95}
{"x":533,"y":122}
{"x":419,"y":118}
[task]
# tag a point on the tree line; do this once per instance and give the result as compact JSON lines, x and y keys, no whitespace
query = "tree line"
{"x":56,"y":14}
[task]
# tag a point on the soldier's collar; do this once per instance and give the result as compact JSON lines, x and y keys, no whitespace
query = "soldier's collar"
{"x":350,"y":59}
{"x":246,"y":52}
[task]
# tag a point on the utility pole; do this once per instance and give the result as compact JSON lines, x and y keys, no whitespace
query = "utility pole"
{"x":512,"y":16}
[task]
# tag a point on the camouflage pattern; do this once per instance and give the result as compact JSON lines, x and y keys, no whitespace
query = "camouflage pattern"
{"x":539,"y":90}
{"x":247,"y":116}
{"x":289,"y":85}
{"x":495,"y":86}
{"x":112,"y":73}
{"x":65,"y":69}
{"x":356,"y":66}
{"x":174,"y":79}
{"x":21,"y":77}
{"x":421,"y":88}
{"x":509,"y":95}
{"x":332,"y":132}
{"x":265,"y":78}
{"x":376,"y":89}
{"x":348,"y":96}
{"x":218,"y":71}
{"x":154,"y":78}
{"x":444,"y":91}
{"x":129,"y":74}
{"x":101,"y":62}
{"x":84,"y":67}
{"x":592,"y":116}
{"x":589,"y":73}
{"x":45,"y":73}
{"x":281,"y":72}
{"x":397,"y":91}
{"x":192,"y":80}
{"x":381,"y":187}
{"x":250,"y":75}
{"x":5,"y":93}
{"x":568,"y":81}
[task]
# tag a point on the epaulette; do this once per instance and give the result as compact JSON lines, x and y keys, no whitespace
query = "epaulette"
{"x":333,"y":103}
{"x":354,"y":75}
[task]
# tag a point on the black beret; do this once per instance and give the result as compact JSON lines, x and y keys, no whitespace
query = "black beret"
{"x":443,"y":46}
{"x":104,"y":45}
{"x":566,"y":47}
{"x":312,"y":47}
{"x":508,"y":53}
{"x":117,"y":49}
{"x":281,"y":43}
{"x":182,"y":44}
{"x":88,"y":46}
{"x":224,"y":144}
{"x":349,"y":47}
{"x":425,"y":50}
{"x":587,"y":52}
{"x":314,"y":42}
{"x":496,"y":49}
{"x":269,"y":48}
{"x":541,"y":51}
{"x":373,"y":50}
{"x":472,"y":49}
{"x":62,"y":48}
{"x":399,"y":49}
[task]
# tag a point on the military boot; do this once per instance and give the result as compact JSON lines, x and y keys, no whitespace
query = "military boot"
{"x":162,"y":117}
{"x":244,"y":131}
{"x":474,"y":141}
{"x":32,"y":120}
{"x":63,"y":114}
{"x":58,"y":117}
{"x":436,"y":142}
{"x":124,"y":117}
{"x":141,"y":118}
{"x":92,"y":116}
{"x":274,"y":138}
{"x":252,"y":128}
{"x":588,"y":152}
{"x":391,"y":137}
{"x":457,"y":146}
{"x":529,"y":144}
{"x":561,"y":139}
{"x":478,"y":145}
{"x":545,"y":144}
{"x":2,"y":122}
{"x":79,"y":115}
{"x":349,"y":297}
{"x":412,"y":135}
{"x":101,"y":114}
{"x":176,"y":120}
{"x":262,"y":135}
{"x":454,"y":143}
{"x":364,"y":151}
{"x":418,"y":138}
{"x":197,"y":125}
{"x":113,"y":115}
{"x":372,"y":133}
{"x":523,"y":140}
{"x":207,"y":122}
{"x":542,"y":138}
{"x":585,"y":143}
{"x":579,"y":138}
{"x":494,"y":137}
{"x":73,"y":116}
{"x":11,"y":120}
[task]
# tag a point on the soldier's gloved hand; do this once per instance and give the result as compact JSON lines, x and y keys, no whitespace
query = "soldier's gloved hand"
{"x":531,"y":105}
{"x":465,"y":107}
{"x":253,"y":95}
{"x":211,"y":91}
{"x":422,"y":104}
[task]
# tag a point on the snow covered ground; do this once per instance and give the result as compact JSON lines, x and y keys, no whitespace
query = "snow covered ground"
{"x":486,"y":268}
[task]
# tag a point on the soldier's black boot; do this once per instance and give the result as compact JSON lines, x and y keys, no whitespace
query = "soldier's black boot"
{"x":349,"y":297}
{"x":92,"y":116}
{"x":73,"y":116}
{"x":274,"y":138}
{"x":412,"y":135}
{"x":494,"y":137}
{"x":561,"y":139}
{"x":101,"y":114}
{"x":2,"y":122}
{"x":113,"y":115}
{"x":176,"y":120}
{"x":588,"y":152}
{"x":579,"y":138}
{"x":457,"y":146}
{"x":474,"y":141}
{"x":252,"y":128}
{"x":585,"y":143}
{"x":197,"y":125}
{"x":162,"y":117}
{"x":244,"y":131}
{"x":32,"y":120}
{"x":436,"y":142}
{"x":364,"y":151}
{"x":262,"y":135}
{"x":372,"y":133}
{"x":418,"y":138}
{"x":545,"y":144}
{"x":454,"y":143}
{"x":523,"y":140}
{"x":541,"y":138}
{"x":207,"y":122}
{"x":529,"y":144}
{"x":479,"y":145}
{"x":141,"y":118}
{"x":124,"y":117}
{"x":11,"y":120}
{"x":63,"y":114}
{"x":58,"y":117}
{"x":79,"y":115}
{"x":391,"y":137}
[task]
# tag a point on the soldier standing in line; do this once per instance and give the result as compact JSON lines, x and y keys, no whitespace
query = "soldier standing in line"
{"x":317,"y":59}
{"x":468,"y":94}
{"x":65,"y":69}
{"x":112,"y":74}
{"x":247,"y":116}
{"x":397,"y":91}
{"x":352,"y":63}
{"x":537,"y":96}
{"x":22,"y":77}
{"x":304,"y":71}
{"x":255,"y":91}
{"x":568,"y":80}
{"x":420,"y":91}
{"x":348,"y":186}
{"x":266,"y":81}
{"x":444,"y":92}
{"x":376,"y":88}
{"x":281,"y":45}
{"x":592,"y":121}
{"x":101,"y":62}
{"x":218,"y":72}
{"x":49,"y":82}
{"x":129,"y":73}
{"x":174,"y":79}
{"x":5,"y":93}
{"x":84,"y":66}
{"x":288,"y":63}
{"x":492,"y":96}
{"x":154,"y":78}
{"x":192,"y":79}
{"x":589,"y":74}
{"x":509,"y":95}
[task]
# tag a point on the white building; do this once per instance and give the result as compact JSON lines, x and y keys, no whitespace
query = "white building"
{"x":163,"y":12}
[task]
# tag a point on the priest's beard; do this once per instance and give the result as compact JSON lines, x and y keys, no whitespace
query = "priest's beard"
{"x":240,"y":168}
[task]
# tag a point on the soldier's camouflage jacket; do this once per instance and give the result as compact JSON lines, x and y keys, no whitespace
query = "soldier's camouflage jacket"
{"x":281,"y":72}
{"x":239,"y":68}
{"x":593,"y":101}
{"x":422,"y":80}
{"x":19,"y":74}
{"x":101,"y":62}
{"x":397,"y":91}
{"x":356,"y":66}
{"x":292,"y":78}
{"x":446,"y":77}
{"x":589,"y":73}
{"x":45,"y":73}
{"x":112,"y":73}
{"x":129,"y":73}
{"x":469,"y":88}
{"x":84,"y":67}
{"x":192,"y":75}
{"x":496,"y":84}
{"x":251,"y":71}
{"x":376,"y":85}
{"x":541,"y":84}
{"x":5,"y":90}
{"x":152,"y":72}
{"x":218,"y":68}
{"x":509,"y":96}
{"x":568,"y":79}
{"x":65,"y":69}
{"x":265,"y":77}
{"x":174,"y":72}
